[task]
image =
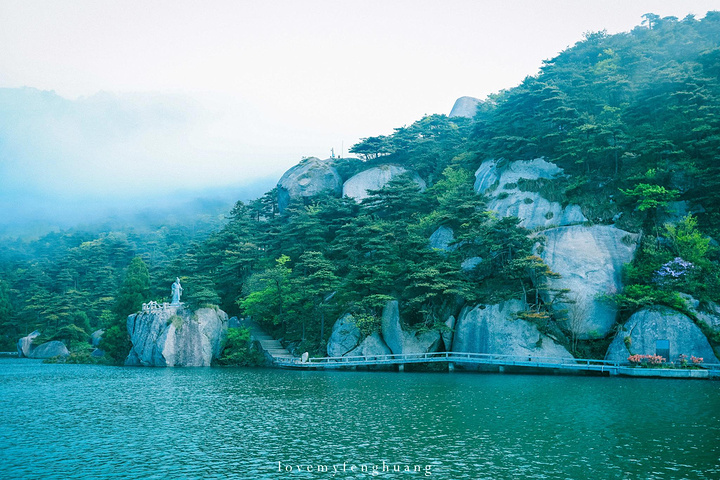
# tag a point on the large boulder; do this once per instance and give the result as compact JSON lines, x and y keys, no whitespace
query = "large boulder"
{"x":357,"y":186}
{"x":372,"y":345}
{"x":590,"y":262}
{"x":176,"y":337}
{"x":25,"y":344}
{"x":644,"y":328}
{"x":345,"y":336}
{"x":401,"y":341}
{"x":307,"y":179}
{"x":533,"y":210}
{"x":50,"y":349}
{"x":493,"y":329}
{"x":465,"y":107}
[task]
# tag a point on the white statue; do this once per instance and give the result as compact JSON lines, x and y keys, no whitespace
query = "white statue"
{"x":176,"y":292}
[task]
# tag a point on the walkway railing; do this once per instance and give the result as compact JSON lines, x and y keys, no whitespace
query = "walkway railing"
{"x":465,"y":358}
{"x":461,"y":358}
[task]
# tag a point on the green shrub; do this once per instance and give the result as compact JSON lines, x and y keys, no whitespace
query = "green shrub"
{"x":177,"y":322}
{"x":115,"y":343}
{"x":239,"y":351}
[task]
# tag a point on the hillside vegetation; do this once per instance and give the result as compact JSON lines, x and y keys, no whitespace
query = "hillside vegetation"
{"x":633,"y":119}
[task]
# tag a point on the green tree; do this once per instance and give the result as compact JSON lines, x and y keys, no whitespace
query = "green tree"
{"x":687,"y":241}
{"x":134,"y":291}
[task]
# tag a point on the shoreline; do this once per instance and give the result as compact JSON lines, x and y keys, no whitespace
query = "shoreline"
{"x":419,"y":367}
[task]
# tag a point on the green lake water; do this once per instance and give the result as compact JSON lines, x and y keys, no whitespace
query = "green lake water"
{"x":96,"y":422}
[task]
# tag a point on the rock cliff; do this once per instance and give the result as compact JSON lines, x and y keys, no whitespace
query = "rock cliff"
{"x":357,"y":186}
{"x":464,"y":107}
{"x":345,"y":336}
{"x":507,"y":199}
{"x":372,"y":345}
{"x":401,"y":341}
{"x":588,"y":258}
{"x":590,"y":262}
{"x":492,"y":329}
{"x":645,"y":327}
{"x":176,"y":337}
{"x":307,"y":179}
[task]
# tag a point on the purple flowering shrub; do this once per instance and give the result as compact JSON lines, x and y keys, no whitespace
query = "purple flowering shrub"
{"x":675,"y":269}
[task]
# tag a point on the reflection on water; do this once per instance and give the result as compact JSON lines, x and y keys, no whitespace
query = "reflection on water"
{"x":82,"y":421}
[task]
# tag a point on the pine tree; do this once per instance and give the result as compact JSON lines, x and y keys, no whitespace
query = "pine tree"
{"x":134,"y":291}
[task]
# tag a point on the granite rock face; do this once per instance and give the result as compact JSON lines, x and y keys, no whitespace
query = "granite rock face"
{"x":465,"y":107}
{"x":345,"y":336}
{"x":492,"y":329}
{"x":25,"y":345}
{"x":447,"y":335}
{"x":708,"y":312}
{"x":49,"y":350}
{"x":95,"y":337}
{"x":590,"y":262}
{"x":532,"y":208}
{"x":372,"y":345}
{"x":357,"y":186}
{"x":401,"y":341}
{"x":645,"y":327}
{"x":176,"y":337}
{"x":309,"y":178}
{"x":442,"y":238}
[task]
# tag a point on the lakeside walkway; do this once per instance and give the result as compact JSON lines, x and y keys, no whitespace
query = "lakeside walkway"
{"x":280,"y":357}
{"x":463,"y":359}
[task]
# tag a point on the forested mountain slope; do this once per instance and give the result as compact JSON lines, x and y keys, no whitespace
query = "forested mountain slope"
{"x":565,"y":205}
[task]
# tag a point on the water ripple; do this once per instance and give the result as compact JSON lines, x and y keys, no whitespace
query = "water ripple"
{"x":87,"y":422}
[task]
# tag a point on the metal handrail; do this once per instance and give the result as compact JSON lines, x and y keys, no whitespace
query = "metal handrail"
{"x":447,"y":356}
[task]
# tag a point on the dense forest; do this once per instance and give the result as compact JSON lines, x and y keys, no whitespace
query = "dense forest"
{"x":633,"y":119}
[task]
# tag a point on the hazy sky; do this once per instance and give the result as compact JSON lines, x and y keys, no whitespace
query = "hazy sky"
{"x":244,"y":89}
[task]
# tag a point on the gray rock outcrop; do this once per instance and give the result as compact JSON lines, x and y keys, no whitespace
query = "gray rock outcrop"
{"x":492,"y":329}
{"x":708,"y":312}
{"x":51,"y":349}
{"x":309,"y":178}
{"x":357,"y":186}
{"x":590,"y":262}
{"x":175,"y":337}
{"x":645,"y":327}
{"x":25,"y":345}
{"x":442,"y":238}
{"x":447,"y":335}
{"x":470,"y":263}
{"x":531,"y":208}
{"x":401,"y":341}
{"x":95,"y":337}
{"x":372,"y":345}
{"x":345,"y":336}
{"x":465,"y":107}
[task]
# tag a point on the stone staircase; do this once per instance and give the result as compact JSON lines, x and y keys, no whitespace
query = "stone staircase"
{"x":271,"y":347}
